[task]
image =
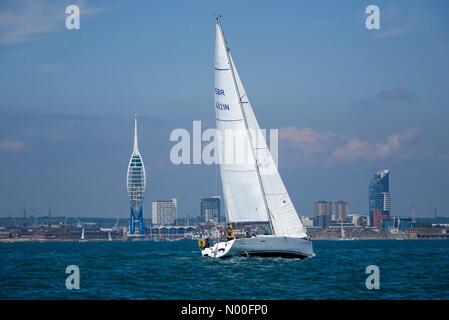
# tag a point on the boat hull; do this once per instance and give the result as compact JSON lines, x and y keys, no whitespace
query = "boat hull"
{"x":262,"y":246}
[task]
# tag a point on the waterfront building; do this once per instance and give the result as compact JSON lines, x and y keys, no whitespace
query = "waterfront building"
{"x":210,"y":209}
{"x":354,"y":219}
{"x":338,"y":223}
{"x":164,"y":212}
{"x":379,"y":198}
{"x":388,"y":223}
{"x":136,"y":182}
{"x":403,"y":223}
{"x":341,"y":210}
{"x":376,"y":220}
{"x":307,"y":222}
{"x":170,"y":232}
{"x":362,"y":221}
{"x":323,"y":213}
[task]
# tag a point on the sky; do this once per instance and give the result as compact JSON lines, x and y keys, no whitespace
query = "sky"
{"x":347,"y":101}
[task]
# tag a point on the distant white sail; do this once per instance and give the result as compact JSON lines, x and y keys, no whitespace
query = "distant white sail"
{"x":269,"y":200}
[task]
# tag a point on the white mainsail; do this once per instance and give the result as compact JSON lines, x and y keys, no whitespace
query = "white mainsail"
{"x":253,"y":191}
{"x":241,"y":186}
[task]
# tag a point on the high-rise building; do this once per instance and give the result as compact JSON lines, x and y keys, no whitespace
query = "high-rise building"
{"x":210,"y":209}
{"x":164,"y":212}
{"x":323,"y":207}
{"x":379,"y":198}
{"x":136,"y":182}
{"x":341,"y":210}
{"x":323,"y":214}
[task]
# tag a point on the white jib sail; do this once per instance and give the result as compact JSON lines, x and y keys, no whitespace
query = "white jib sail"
{"x":282,"y":214}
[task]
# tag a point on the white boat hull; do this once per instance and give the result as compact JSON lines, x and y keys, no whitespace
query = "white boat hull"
{"x":262,"y":246}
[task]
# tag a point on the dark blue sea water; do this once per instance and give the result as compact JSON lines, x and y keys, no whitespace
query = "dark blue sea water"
{"x":175,"y":270}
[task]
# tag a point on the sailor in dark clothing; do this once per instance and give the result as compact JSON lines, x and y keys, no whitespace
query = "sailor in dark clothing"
{"x":229,"y":233}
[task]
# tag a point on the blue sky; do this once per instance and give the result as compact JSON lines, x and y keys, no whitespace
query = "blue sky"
{"x":347,"y":100}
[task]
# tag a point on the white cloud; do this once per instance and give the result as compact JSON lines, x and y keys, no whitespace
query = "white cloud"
{"x":312,"y":145}
{"x":25,"y":20}
{"x":353,"y":149}
{"x":396,"y":22}
{"x":308,"y":140}
{"x":356,"y":149}
{"x":8,"y":145}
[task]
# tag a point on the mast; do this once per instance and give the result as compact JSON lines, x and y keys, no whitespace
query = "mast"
{"x":231,"y":66}
{"x":342,"y":230}
{"x":24,"y":216}
{"x":49,"y":215}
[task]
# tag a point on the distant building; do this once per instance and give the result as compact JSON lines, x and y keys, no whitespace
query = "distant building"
{"x":322,"y":207}
{"x":354,"y":218}
{"x":379,"y":198}
{"x":164,"y":212}
{"x":323,"y":214}
{"x":341,"y":210}
{"x":345,"y":223}
{"x":403,"y":223}
{"x":388,"y":223}
{"x":362,"y":221}
{"x":307,"y":222}
{"x":210,"y":209}
{"x":376,"y":220}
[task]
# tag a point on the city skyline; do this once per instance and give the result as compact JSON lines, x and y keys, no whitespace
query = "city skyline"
{"x":347,"y":101}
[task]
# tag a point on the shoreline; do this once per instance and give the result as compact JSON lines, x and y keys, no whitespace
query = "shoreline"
{"x":19,"y":240}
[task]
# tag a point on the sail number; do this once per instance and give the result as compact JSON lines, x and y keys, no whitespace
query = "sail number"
{"x":219,"y":92}
{"x":221,"y":106}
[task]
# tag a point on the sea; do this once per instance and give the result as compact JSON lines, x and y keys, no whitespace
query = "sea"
{"x":417,"y":269}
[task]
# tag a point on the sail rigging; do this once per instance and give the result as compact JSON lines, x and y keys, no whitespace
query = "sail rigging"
{"x":254,"y":190}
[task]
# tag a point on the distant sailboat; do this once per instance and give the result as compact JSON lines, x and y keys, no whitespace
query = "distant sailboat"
{"x":342,"y":233}
{"x":82,"y":236}
{"x":109,"y":236}
{"x":254,"y":192}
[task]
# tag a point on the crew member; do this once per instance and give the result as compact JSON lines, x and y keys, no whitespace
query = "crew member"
{"x":229,"y":233}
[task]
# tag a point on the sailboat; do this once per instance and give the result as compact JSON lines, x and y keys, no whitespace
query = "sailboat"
{"x":109,"y":236}
{"x":82,"y":236}
{"x":253,"y":191}
{"x":342,"y":233}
